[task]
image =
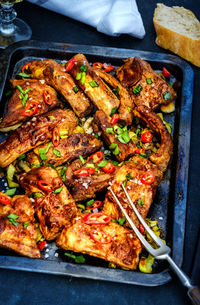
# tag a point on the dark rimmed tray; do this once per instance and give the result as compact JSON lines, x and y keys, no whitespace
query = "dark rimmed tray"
{"x":171,"y":200}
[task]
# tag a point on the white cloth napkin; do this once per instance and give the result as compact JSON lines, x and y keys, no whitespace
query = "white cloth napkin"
{"x":111,"y":17}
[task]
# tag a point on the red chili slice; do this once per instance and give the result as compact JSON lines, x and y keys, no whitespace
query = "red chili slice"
{"x":42,"y":244}
{"x":45,"y":186}
{"x":100,"y":236}
{"x":96,"y":158}
{"x":4,"y":199}
{"x":30,"y":109}
{"x":114,"y":118}
{"x":109,"y":168}
{"x":141,"y":228}
{"x":140,"y":151}
{"x":69,"y":65}
{"x":56,"y":137}
{"x":86,"y":171}
{"x":165,"y":72}
{"x":96,"y":219}
{"x":47,"y":97}
{"x":148,"y":178}
{"x":97,"y":65}
{"x":108,"y":68}
{"x":95,"y":205}
{"x":26,"y":66}
{"x":146,"y":137}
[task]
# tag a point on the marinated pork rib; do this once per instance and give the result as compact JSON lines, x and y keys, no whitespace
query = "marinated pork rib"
{"x":37,"y":92}
{"x":56,"y":76}
{"x":142,"y":178}
{"x":18,"y":231}
{"x":56,"y":207}
{"x":126,"y":101}
{"x":146,"y":86}
{"x":102,"y":123}
{"x":93,"y":86}
{"x":35,"y":132}
{"x":123,"y":249}
{"x":162,"y":157}
{"x":84,"y":187}
{"x":69,"y":149}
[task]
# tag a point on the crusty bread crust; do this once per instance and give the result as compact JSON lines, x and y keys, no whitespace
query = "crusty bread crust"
{"x":180,"y":44}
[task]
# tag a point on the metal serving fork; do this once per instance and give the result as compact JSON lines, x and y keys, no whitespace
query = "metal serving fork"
{"x":162,"y":252}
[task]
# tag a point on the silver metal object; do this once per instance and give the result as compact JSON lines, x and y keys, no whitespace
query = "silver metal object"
{"x":162,"y":252}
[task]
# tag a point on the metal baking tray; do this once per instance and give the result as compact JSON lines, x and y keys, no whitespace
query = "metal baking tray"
{"x":170,"y":203}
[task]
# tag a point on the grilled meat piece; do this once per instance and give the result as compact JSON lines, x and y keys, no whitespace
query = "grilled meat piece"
{"x":141,"y":194}
{"x":56,"y":76}
{"x":93,"y":86}
{"x":55,"y":208}
{"x":147,"y":87}
{"x":35,"y":132}
{"x":101,"y":123}
{"x":123,"y":249}
{"x":70,"y":148}
{"x":85,"y":187}
{"x":162,"y":157}
{"x":35,"y":90}
{"x":19,"y":235}
{"x":126,"y":101}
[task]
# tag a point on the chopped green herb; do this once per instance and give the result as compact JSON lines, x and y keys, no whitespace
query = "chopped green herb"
{"x":137,"y":90}
{"x":24,"y":74}
{"x":120,"y":139}
{"x":88,"y":203}
{"x":83,"y":68}
{"x":78,"y":76}
{"x":23,"y":156}
{"x":11,"y":218}
{"x":42,"y":153}
{"x":94,"y":84}
{"x":102,"y":163}
{"x":129,"y":109}
{"x":11,"y":192}
{"x":140,"y":201}
{"x":113,"y":111}
{"x":167,"y":95}
{"x":83,"y":77}
{"x":80,"y":259}
{"x":129,"y":177}
{"x":116,"y":92}
{"x":121,"y":221}
{"x":149,"y":81}
{"x":56,"y":153}
{"x":75,"y":89}
{"x":26,"y":224}
{"x":82,"y":160}
{"x":57,"y":191}
{"x":124,"y":138}
{"x":109,"y":130}
{"x":63,"y":172}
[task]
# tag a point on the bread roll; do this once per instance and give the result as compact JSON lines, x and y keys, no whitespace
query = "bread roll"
{"x":178,"y":30}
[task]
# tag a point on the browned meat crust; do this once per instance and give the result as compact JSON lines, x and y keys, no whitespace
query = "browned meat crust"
{"x":54,"y":210}
{"x":135,"y":72}
{"x":123,"y":250}
{"x":100,"y":123}
{"x":35,"y":132}
{"x":101,"y":95}
{"x":141,"y":194}
{"x":126,"y":101}
{"x":162,"y":157}
{"x":18,"y":237}
{"x":70,"y":148}
{"x":87,"y":186}
{"x":55,"y":75}
{"x":13,"y":114}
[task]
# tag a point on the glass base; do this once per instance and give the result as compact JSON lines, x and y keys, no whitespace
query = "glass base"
{"x":22,"y":32}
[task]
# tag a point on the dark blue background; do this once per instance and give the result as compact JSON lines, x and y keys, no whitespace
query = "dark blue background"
{"x":21,"y":288}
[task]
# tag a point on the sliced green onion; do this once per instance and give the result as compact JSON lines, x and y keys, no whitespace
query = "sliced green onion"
{"x":149,"y":81}
{"x":116,"y":92}
{"x":56,"y":153}
{"x":113,"y":111}
{"x":109,"y":130}
{"x":24,"y":74}
{"x":140,"y":201}
{"x":82,"y":160}
{"x":12,"y":219}
{"x":83,"y":68}
{"x":129,"y":109}
{"x":116,"y":151}
{"x":90,"y":165}
{"x":113,"y":146}
{"x":75,"y":89}
{"x":42,"y":153}
{"x":129,"y":177}
{"x":37,"y":195}
{"x":80,"y":259}
{"x":23,"y":156}
{"x":78,"y":76}
{"x":52,"y":117}
{"x":11,"y":192}
{"x":88,"y":203}
{"x":83,"y":78}
{"x":20,"y":89}
{"x":57,"y":191}
{"x":137,"y":90}
{"x":102,"y":163}
{"x":81,"y":206}
{"x":121,"y":221}
{"x":94,"y":84}
{"x":48,"y":146}
{"x":26,"y":224}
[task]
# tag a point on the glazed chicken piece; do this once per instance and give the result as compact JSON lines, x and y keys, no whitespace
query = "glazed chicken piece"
{"x":35,"y":132}
{"x":54,"y":206}
{"x":142,"y":179}
{"x":56,"y":76}
{"x":37,"y":94}
{"x":162,"y":157}
{"x":102,"y":123}
{"x":145,"y":85}
{"x":126,"y":101}
{"x":18,"y":230}
{"x":93,"y":86}
{"x":121,"y":247}
{"x":86,"y":186}
{"x":69,"y":149}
